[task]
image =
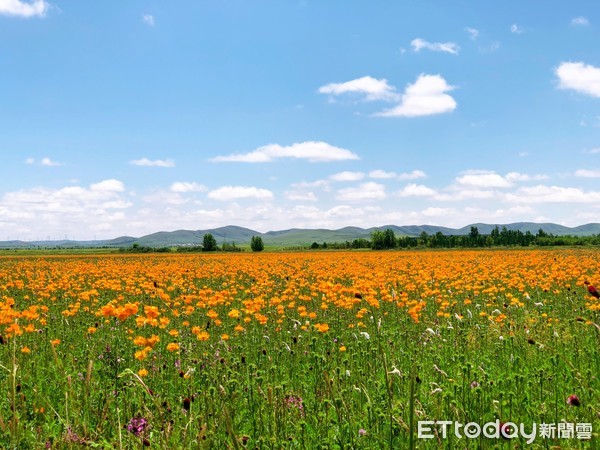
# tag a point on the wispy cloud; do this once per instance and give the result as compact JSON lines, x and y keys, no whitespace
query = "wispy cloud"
{"x":148,"y":19}
{"x":311,"y":151}
{"x":18,"y":8}
{"x":371,"y":88}
{"x":45,"y":161}
{"x":516,"y":29}
{"x":145,"y":162}
{"x":49,"y":163}
{"x":419,"y":44}
{"x":580,"y":21}
{"x":579,"y":77}
{"x":426,"y":96}
{"x":473,"y":33}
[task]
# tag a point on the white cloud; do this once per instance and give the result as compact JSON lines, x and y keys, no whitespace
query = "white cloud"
{"x":227,"y":193}
{"x":516,"y":29}
{"x":446,"y":47}
{"x":426,"y":96}
{"x":438,"y":212}
{"x":456,"y":194}
{"x":416,"y":190}
{"x":71,"y":209}
{"x":483,"y":178}
{"x":473,"y":33}
{"x":301,"y":196}
{"x":516,"y":176}
{"x":185,"y":186}
{"x":552,"y":194}
{"x":580,"y":77}
{"x":364,"y":192}
{"x":347,"y":176}
{"x":593,"y":151}
{"x":414,"y":175}
{"x":580,"y":21}
{"x":30,"y":161}
{"x":49,"y":163}
{"x":310,"y":150}
{"x":586,"y":173}
{"x":324,"y":184}
{"x":371,"y":88}
{"x":382,"y":174}
{"x":25,"y":9}
{"x":145,"y":162}
{"x":148,"y":19}
{"x":111,"y":185}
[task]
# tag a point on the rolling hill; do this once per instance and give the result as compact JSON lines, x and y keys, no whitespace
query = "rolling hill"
{"x":299,"y":236}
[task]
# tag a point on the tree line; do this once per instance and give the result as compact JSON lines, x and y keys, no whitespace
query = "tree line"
{"x":499,"y":237}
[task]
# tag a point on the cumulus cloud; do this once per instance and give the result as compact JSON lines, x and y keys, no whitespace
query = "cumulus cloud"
{"x":69,"y":209}
{"x":185,"y":186}
{"x":579,"y":77}
{"x":419,"y":44}
{"x":552,"y":194}
{"x":145,"y":162}
{"x":484,"y":179}
{"x":18,"y":8}
{"x":414,"y":175}
{"x":416,"y":190}
{"x":371,"y":88}
{"x":347,"y":176}
{"x":363,"y":192}
{"x":148,"y":19}
{"x":311,"y":151}
{"x":382,"y":174}
{"x":580,"y":21}
{"x":111,"y":185}
{"x":228,"y":193}
{"x":426,"y":96}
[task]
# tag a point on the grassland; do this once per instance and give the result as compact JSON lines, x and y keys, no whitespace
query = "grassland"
{"x":295,"y":350}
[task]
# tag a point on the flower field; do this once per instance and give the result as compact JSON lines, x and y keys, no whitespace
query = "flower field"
{"x":296,"y":350}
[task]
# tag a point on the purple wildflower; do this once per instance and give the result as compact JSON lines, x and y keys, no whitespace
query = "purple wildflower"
{"x":137,"y":426}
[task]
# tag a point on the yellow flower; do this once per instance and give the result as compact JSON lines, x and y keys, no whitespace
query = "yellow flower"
{"x":173,"y":346}
{"x":225,"y":337}
{"x":91,"y":330}
{"x":142,"y":372}
{"x":343,"y":348}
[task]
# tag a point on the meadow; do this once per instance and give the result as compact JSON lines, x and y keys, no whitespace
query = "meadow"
{"x":323,"y":350}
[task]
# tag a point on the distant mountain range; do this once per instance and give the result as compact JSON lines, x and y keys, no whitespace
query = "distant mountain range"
{"x":298,"y":236}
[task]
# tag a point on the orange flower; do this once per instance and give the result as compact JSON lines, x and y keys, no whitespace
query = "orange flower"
{"x":25,"y":350}
{"x":173,"y":346}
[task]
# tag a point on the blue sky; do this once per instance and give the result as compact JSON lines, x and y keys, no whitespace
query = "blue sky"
{"x":126,"y":118}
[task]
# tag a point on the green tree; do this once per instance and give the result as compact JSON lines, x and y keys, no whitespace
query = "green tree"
{"x":209,"y":243}
{"x":256,"y":244}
